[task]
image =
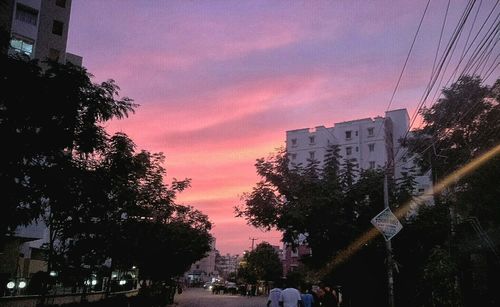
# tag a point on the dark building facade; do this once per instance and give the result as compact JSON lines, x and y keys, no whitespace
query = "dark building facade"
{"x":38,"y":29}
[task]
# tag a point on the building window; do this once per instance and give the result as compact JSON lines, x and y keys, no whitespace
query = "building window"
{"x":348,"y":151}
{"x":294,"y":156}
{"x":311,"y":155}
{"x":294,"y":142}
{"x":348,"y":135}
{"x":371,"y":147}
{"x":371,"y":131}
{"x":357,"y":148}
{"x":22,"y":46}
{"x":311,"y":139}
{"x":57,"y":27}
{"x":61,"y":3}
{"x":356,"y":133}
{"x":372,"y":164}
{"x":54,"y":54}
{"x":26,"y":14}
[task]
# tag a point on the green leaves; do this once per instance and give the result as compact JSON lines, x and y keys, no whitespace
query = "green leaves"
{"x":263,"y":263}
{"x":100,"y":198}
{"x":332,"y":204}
{"x":49,"y":115}
{"x":439,"y":242}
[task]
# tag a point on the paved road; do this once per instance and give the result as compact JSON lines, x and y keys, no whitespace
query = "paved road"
{"x":198,"y":297}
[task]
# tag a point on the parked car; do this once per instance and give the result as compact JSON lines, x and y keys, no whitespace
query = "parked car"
{"x":218,"y":288}
{"x":231,"y":288}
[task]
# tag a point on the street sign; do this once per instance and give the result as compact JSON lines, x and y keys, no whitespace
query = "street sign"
{"x":387,"y":223}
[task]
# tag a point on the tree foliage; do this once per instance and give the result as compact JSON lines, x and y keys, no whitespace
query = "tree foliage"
{"x":100,"y":198}
{"x":332,"y":204}
{"x":263,"y":263}
{"x":459,"y":127}
{"x":49,"y":116}
{"x":327,"y":204}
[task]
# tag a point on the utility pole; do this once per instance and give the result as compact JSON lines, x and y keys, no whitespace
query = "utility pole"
{"x":253,"y":241}
{"x":449,"y":192}
{"x":388,"y":248}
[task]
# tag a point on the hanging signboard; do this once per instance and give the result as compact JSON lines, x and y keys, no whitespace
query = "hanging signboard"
{"x":387,"y":223}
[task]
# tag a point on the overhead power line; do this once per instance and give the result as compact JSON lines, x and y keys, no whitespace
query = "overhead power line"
{"x":478,"y":59}
{"x":405,"y":63}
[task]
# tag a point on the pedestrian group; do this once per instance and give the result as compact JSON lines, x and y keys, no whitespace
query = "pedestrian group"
{"x":289,"y":296}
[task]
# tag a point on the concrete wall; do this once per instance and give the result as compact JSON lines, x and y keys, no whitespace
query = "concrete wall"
{"x":48,"y":40}
{"x":74,"y":59}
{"x":32,"y":300}
{"x":291,"y":257}
{"x":9,"y":256}
{"x":308,"y":143}
{"x":301,"y":144}
{"x":46,"y":43}
{"x":360,"y":141}
{"x":24,"y":29}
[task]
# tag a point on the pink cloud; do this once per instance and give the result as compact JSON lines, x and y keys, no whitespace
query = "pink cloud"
{"x":233,"y":102}
{"x":232,"y":233}
{"x":233,"y":237}
{"x":220,"y":83}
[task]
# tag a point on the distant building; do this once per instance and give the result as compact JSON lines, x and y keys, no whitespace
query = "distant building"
{"x":367,"y":142}
{"x":227,"y":265}
{"x":38,"y":29}
{"x":203,"y":270}
{"x":291,"y":257}
{"x":278,"y":250}
{"x":19,"y":260}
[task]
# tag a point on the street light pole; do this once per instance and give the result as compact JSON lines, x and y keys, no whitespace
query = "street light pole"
{"x":253,"y":241}
{"x":388,"y":248}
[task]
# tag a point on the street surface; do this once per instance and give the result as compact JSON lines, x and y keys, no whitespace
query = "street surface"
{"x":199,"y":297}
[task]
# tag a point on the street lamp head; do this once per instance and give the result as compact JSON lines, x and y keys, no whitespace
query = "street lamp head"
{"x":11,"y":285}
{"x":22,"y":285}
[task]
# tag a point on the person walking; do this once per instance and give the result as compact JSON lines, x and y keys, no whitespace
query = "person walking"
{"x":316,"y":296}
{"x":338,"y":294}
{"x":274,"y":295}
{"x":329,"y":298}
{"x":307,"y":297}
{"x":290,"y":297}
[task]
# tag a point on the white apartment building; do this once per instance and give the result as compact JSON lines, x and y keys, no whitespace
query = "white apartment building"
{"x":367,"y":142}
{"x":38,"y":29}
{"x":203,"y":270}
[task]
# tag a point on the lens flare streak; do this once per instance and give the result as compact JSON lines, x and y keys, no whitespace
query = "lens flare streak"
{"x":402,"y":211}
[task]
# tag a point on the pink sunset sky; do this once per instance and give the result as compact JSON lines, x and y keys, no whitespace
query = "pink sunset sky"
{"x":219,"y":82}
